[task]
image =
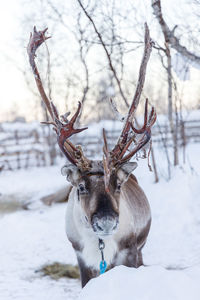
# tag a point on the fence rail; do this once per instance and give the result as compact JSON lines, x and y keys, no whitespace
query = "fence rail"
{"x":27,"y":145}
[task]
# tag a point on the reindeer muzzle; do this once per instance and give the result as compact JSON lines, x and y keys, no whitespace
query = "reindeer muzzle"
{"x":105,"y":225}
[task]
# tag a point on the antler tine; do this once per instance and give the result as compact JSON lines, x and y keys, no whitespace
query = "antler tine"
{"x":55,"y":111}
{"x":125,"y":140}
{"x":141,"y":143}
{"x":37,"y":38}
{"x":105,"y":147}
{"x":115,"y":110}
{"x":126,"y":147}
{"x":63,"y":129}
{"x":144,"y":139}
{"x":106,"y":162}
{"x":151,"y":118}
{"x":141,"y":130}
{"x":73,"y":119}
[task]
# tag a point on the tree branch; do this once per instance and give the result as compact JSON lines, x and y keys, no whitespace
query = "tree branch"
{"x":106,"y":51}
{"x":169,"y":35}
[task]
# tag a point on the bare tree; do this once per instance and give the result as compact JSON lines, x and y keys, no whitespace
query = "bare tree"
{"x":171,"y":41}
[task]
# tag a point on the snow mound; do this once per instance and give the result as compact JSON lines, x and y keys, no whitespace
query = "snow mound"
{"x":145,"y":283}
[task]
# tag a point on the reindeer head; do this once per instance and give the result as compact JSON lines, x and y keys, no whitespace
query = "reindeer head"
{"x":99,"y":206}
{"x":98,"y":183}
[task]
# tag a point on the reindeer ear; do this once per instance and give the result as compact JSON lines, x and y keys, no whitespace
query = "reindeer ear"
{"x":125,"y":171}
{"x":72,"y":173}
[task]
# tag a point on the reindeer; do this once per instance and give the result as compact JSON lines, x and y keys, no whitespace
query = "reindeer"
{"x":108,"y":216}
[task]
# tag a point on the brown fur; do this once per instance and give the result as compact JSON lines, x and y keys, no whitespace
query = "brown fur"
{"x":129,"y":204}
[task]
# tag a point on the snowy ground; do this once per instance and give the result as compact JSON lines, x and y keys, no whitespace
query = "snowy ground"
{"x":30,"y":239}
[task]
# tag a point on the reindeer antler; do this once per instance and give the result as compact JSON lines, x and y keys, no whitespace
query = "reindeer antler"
{"x":62,"y":126}
{"x":65,"y":128}
{"x":116,"y":157}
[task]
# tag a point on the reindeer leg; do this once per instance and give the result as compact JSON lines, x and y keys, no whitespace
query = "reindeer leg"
{"x":139,"y":259}
{"x":131,"y":259}
{"x":86,"y":272}
{"x":130,"y":255}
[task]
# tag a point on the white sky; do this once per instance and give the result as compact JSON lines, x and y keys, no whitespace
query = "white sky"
{"x":13,"y":87}
{"x":14,"y":92}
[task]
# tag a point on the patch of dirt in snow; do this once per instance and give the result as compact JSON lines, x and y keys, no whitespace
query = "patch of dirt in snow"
{"x":58,"y":270}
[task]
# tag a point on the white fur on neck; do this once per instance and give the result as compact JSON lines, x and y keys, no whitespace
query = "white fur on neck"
{"x":91,"y":253}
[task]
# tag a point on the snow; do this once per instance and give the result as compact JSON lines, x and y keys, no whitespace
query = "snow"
{"x":142,"y":284}
{"x":30,"y":239}
{"x":32,"y":184}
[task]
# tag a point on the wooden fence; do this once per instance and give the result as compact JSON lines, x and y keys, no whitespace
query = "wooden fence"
{"x":27,"y":145}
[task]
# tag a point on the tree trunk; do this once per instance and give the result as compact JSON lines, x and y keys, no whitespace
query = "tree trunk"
{"x":170,"y":105}
{"x":154,"y":166}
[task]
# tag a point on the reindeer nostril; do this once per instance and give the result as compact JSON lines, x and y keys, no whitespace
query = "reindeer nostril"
{"x":99,"y":227}
{"x":115,"y":226}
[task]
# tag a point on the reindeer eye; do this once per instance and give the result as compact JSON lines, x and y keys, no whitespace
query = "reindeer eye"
{"x":82,"y":189}
{"x":118,"y":187}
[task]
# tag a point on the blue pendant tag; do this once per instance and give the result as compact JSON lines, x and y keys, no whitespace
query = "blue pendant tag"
{"x":103,"y":266}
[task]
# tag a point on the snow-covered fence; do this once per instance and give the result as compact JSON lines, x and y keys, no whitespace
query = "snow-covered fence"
{"x":187,"y":132}
{"x":24,"y":145}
